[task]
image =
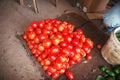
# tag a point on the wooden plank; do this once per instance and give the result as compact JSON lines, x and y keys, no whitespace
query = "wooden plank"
{"x":35,"y":6}
{"x":21,"y":2}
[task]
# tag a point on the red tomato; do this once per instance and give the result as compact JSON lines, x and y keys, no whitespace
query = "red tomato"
{"x":82,"y":38}
{"x":47,"y":62}
{"x":55,"y":40}
{"x":77,"y":49}
{"x":34,"y":24}
{"x":70,"y":46}
{"x":55,"y":30}
{"x":41,"y":48}
{"x":42,"y":37}
{"x":59,"y":35}
{"x":68,"y":39}
{"x":82,"y":53}
{"x":46,"y":32}
{"x":45,"y":67}
{"x":55,"y":50}
{"x":34,"y":51}
{"x":31,"y":46}
{"x":31,"y":35}
{"x":55,"y":74}
{"x":38,"y":31}
{"x":36,"y":40}
{"x":86,"y":48}
{"x":74,"y":42}
{"x":60,"y":28}
{"x":25,"y":36}
{"x":48,"y":26}
{"x":48,"y":73}
{"x":77,"y":36}
{"x":72,"y":53}
{"x":79,"y":31}
{"x":36,"y":55}
{"x":52,"y":57}
{"x":76,"y":57}
{"x":61,"y":58}
{"x":47,"y":43}
{"x":58,"y":65}
{"x":65,"y":32}
{"x":69,"y":75}
{"x":62,"y":71}
{"x":66,"y":52}
{"x":43,"y":55}
{"x":51,"y":69}
{"x":89,"y":42}
{"x":41,"y":24}
{"x":71,"y":62}
{"x":88,"y":56}
{"x":39,"y":59}
{"x":30,"y":29}
{"x":99,"y":46}
{"x":63,"y":44}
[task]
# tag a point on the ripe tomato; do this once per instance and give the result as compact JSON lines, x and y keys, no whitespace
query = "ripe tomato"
{"x":47,"y":62}
{"x":59,"y":35}
{"x":60,"y":28}
{"x":47,"y":43}
{"x":55,"y":50}
{"x":63,"y":44}
{"x":31,"y":35}
{"x":68,"y":39}
{"x":48,"y":73}
{"x":51,"y":69}
{"x":79,"y":31}
{"x":38,"y":31}
{"x":25,"y":36}
{"x":55,"y":40}
{"x":30,"y":29}
{"x":45,"y":67}
{"x":34,"y":50}
{"x":55,"y":74}
{"x":74,"y":42}
{"x":72,"y":53}
{"x":52,"y":57}
{"x":89,"y":42}
{"x":69,"y":75}
{"x":34,"y":24}
{"x":71,"y":62}
{"x":41,"y":24}
{"x":77,"y":49}
{"x":57,"y":65}
{"x":76,"y":57}
{"x":48,"y":26}
{"x":61,"y":58}
{"x":99,"y":46}
{"x":36,"y":55}
{"x":41,"y":48}
{"x":66,"y":52}
{"x":82,"y":53}
{"x":36,"y":40}
{"x":86,"y":48}
{"x":88,"y":56}
{"x":82,"y":38}
{"x":42,"y":37}
{"x":62,"y":71}
{"x":39,"y":59}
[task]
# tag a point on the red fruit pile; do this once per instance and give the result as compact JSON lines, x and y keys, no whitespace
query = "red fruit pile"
{"x":56,"y":46}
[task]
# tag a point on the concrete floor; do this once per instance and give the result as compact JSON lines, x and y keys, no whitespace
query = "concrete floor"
{"x":15,"y":63}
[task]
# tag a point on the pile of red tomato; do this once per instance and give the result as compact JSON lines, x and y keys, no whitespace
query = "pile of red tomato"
{"x":57,"y":46}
